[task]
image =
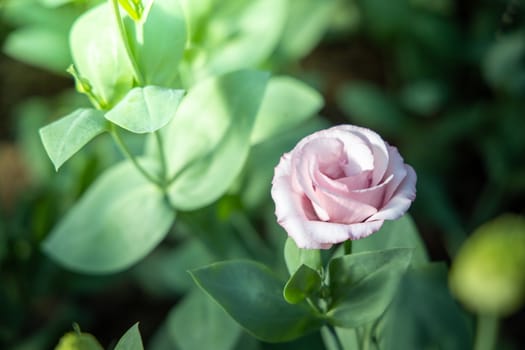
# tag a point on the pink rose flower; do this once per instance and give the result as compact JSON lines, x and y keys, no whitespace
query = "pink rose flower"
{"x":338,"y":184}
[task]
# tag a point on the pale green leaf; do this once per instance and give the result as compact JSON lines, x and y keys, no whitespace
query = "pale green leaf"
{"x":119,"y":220}
{"x":66,"y":136}
{"x":157,"y":41}
{"x":306,"y":23}
{"x":145,"y":109}
{"x":287,"y":102}
{"x":99,"y":54}
{"x":295,"y":257}
{"x":209,"y":137}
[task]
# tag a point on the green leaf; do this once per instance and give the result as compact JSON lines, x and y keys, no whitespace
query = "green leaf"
{"x":209,"y":137}
{"x":362,"y":285}
{"x":295,"y":257}
{"x":157,"y":41}
{"x":199,"y":323}
{"x":400,"y":233}
{"x":51,"y":45}
{"x":78,"y":341}
{"x":239,"y":34}
{"x":165,"y":273}
{"x":119,"y":220}
{"x":367,"y":105}
{"x":252,"y":295}
{"x":304,"y":282}
{"x":287,"y":102}
{"x":100,"y":56}
{"x":66,"y":136}
{"x":424,"y":315}
{"x":303,"y":31}
{"x":131,"y":340}
{"x":146,"y":109}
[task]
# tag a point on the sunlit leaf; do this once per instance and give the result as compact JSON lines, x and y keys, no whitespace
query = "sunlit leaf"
{"x":99,"y":54}
{"x":287,"y":102}
{"x":66,"y":136}
{"x":209,"y":137}
{"x":145,"y":109}
{"x":157,"y":41}
{"x":119,"y":220}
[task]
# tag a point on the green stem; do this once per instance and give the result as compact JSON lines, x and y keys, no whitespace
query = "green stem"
{"x":125,"y":150}
{"x":335,"y":338}
{"x":138,"y":75}
{"x":486,"y":332}
{"x":367,"y":338}
{"x":162,"y":156}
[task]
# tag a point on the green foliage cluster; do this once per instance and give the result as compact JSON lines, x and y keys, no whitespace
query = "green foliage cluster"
{"x":165,"y":164}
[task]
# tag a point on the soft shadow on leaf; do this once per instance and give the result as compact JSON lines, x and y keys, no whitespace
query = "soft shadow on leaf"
{"x":252,"y":295}
{"x":199,"y":323}
{"x":362,"y":285}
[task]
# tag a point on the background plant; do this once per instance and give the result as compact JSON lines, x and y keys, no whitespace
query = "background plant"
{"x":441,"y":80}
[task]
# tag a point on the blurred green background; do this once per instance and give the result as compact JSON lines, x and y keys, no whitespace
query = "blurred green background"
{"x":442,"y":80}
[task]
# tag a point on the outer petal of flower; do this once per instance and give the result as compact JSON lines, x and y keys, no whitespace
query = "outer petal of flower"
{"x":323,"y":234}
{"x":400,"y":202}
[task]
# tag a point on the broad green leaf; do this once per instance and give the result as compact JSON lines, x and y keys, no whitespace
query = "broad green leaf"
{"x":146,"y":109}
{"x":239,"y":34}
{"x":362,"y":285}
{"x":51,"y":45}
{"x":287,"y":102}
{"x":78,"y":341}
{"x":208,"y":140}
{"x":252,"y":295}
{"x":119,"y":220}
{"x":66,"y":136}
{"x":303,"y":30}
{"x":295,"y":257}
{"x":131,"y":340}
{"x":304,"y":282}
{"x":100,"y":56}
{"x":157,"y":41}
{"x":199,"y":323}
{"x":424,"y":315}
{"x":400,"y":233}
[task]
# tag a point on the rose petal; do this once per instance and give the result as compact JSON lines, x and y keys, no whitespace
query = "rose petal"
{"x":397,"y":169}
{"x":400,"y":202}
{"x":378,"y":147}
{"x":323,"y":234}
{"x":372,"y":196}
{"x":343,"y":209}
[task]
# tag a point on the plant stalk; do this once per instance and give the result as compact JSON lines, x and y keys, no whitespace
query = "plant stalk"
{"x":486,"y":332}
